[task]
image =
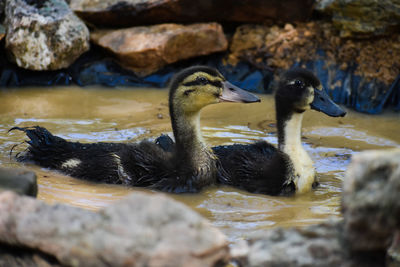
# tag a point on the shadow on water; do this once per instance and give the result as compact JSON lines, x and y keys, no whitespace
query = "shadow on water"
{"x":121,"y":115}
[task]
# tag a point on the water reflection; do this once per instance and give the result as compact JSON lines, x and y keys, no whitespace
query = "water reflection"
{"x":130,"y":115}
{"x":353,"y":135}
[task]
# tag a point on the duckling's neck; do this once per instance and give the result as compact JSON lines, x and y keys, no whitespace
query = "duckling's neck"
{"x":187,"y":133}
{"x":190,"y":146}
{"x":289,"y":141}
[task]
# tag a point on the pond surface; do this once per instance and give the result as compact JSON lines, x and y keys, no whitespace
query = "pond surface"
{"x":126,"y":115}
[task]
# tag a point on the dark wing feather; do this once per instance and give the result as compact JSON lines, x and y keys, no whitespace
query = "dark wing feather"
{"x":146,"y":164}
{"x":257,"y":168}
{"x":142,"y":164}
{"x":50,"y":151}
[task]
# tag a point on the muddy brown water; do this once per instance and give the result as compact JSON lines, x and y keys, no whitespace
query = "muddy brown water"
{"x":126,"y":115}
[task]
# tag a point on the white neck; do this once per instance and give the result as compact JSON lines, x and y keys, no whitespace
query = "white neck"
{"x":304,"y":171}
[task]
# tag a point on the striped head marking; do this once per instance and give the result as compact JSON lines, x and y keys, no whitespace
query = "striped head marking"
{"x":199,"y":90}
{"x":199,"y":86}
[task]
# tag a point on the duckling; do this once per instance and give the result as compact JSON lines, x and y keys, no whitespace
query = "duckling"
{"x":191,"y":165}
{"x":263,"y":168}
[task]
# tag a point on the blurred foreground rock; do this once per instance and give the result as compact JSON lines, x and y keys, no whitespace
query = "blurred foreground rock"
{"x":369,"y":234}
{"x":147,"y":49}
{"x":126,"y":13}
{"x":18,"y":180}
{"x":371,"y":203}
{"x":394,"y":251}
{"x":141,"y":230}
{"x":316,"y":245}
{"x":44,"y":35}
{"x":362,"y":18}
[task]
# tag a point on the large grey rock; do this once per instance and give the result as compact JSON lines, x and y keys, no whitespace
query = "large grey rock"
{"x":317,"y":245}
{"x":362,"y":18}
{"x":141,"y":230}
{"x":44,"y":35}
{"x":147,"y":49}
{"x":370,"y":202}
{"x":322,"y":245}
{"x":18,"y":180}
{"x":141,"y":12}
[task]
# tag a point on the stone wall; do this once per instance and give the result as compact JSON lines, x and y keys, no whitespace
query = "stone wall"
{"x":356,"y":57}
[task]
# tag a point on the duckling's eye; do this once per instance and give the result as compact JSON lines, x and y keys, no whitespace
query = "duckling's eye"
{"x":298,"y":83}
{"x":202,"y":80}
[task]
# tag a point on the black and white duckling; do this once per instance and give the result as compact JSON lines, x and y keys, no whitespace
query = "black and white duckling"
{"x":191,"y":166}
{"x":263,"y":168}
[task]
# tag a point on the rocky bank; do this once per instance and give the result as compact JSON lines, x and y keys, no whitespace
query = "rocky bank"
{"x":143,"y":43}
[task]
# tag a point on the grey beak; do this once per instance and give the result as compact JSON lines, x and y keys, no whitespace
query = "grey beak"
{"x":322,"y":102}
{"x":232,"y":93}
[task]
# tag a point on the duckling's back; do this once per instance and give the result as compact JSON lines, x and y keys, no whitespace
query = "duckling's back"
{"x":257,"y":168}
{"x":143,"y":164}
{"x":99,"y":162}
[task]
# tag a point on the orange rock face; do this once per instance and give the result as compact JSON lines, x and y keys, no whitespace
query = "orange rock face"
{"x":147,"y":49}
{"x":280,"y":47}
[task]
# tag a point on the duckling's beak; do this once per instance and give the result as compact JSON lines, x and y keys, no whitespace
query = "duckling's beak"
{"x":232,"y":93}
{"x":322,"y":102}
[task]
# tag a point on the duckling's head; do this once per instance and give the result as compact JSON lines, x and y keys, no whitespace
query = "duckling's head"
{"x":199,"y":86}
{"x":299,"y":90}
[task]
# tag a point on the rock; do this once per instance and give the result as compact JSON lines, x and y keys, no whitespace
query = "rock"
{"x":128,"y":13}
{"x":362,"y":74}
{"x":95,"y":67}
{"x":394,"y":251}
{"x":317,"y":245}
{"x":18,"y":180}
{"x":321,"y":245}
{"x":362,"y":18}
{"x":44,"y":35}
{"x":370,"y":202}
{"x":141,"y":230}
{"x":147,"y":49}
